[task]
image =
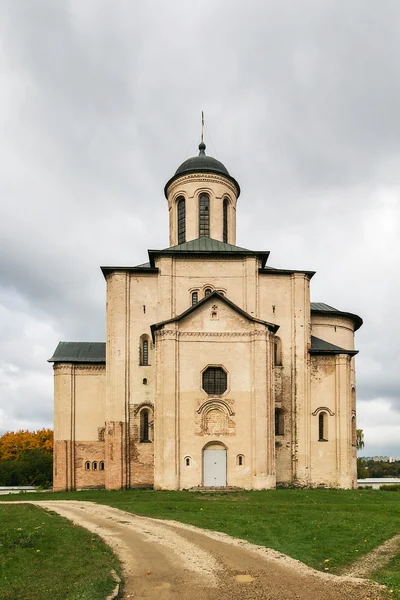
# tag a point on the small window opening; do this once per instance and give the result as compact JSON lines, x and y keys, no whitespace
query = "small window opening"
{"x":353,"y":431}
{"x":195,"y":298}
{"x":144,"y":308}
{"x":87,"y":465}
{"x":279,"y":422}
{"x":101,"y":465}
{"x":240,"y":460}
{"x":145,"y":381}
{"x":94,"y":466}
{"x":144,"y":426}
{"x":187,"y":461}
{"x":207,"y":292}
{"x":322,"y":427}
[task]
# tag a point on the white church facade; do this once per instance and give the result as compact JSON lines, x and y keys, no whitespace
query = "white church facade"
{"x":217,"y":369}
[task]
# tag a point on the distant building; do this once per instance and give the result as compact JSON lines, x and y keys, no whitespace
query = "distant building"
{"x":216,"y":371}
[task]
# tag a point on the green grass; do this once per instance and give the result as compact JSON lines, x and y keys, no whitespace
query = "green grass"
{"x":42,"y":555}
{"x":390,"y":576}
{"x":313,"y":526}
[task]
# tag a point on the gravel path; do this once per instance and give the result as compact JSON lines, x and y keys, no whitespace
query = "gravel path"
{"x":168,"y":560}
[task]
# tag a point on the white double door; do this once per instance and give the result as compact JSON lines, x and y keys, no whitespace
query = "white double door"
{"x":214,"y":468}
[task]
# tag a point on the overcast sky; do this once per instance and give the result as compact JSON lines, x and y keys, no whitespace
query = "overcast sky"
{"x":101,"y":101}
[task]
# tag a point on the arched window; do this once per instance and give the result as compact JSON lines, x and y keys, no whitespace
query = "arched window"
{"x":101,"y":465}
{"x":322,"y":427}
{"x":204,"y":216}
{"x":144,"y":381}
{"x":144,"y":426}
{"x":214,"y":381}
{"x":87,"y":465}
{"x":225,"y":221}
{"x":144,"y":351}
{"x":240,"y":460}
{"x":195,"y":298}
{"x":207,"y":292}
{"x":181,"y":220}
{"x":279,"y":422}
{"x":94,"y":466}
{"x":187,"y":461}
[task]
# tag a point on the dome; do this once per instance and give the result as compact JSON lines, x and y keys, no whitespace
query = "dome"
{"x":202,"y":164}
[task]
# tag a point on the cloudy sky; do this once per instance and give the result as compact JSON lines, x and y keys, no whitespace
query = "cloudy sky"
{"x":100,"y":102}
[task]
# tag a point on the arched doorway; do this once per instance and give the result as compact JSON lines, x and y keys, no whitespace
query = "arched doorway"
{"x":214,"y":465}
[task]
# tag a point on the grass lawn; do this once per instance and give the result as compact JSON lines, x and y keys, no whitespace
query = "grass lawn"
{"x":42,"y":555}
{"x":313,"y":526}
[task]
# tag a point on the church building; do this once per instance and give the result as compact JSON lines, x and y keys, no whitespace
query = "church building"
{"x":217,"y":370}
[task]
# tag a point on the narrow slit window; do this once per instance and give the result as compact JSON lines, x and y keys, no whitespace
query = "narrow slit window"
{"x":101,"y":465}
{"x":322,"y":426}
{"x":225,"y":221}
{"x":87,"y":465}
{"x":240,"y":460}
{"x":204,"y":216}
{"x":181,"y":220}
{"x":195,"y":298}
{"x":144,"y":426}
{"x":94,"y":466}
{"x":187,"y":461}
{"x":279,"y":422}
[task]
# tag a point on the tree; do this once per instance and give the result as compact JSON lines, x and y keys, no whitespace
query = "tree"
{"x":26,"y":457}
{"x":360,"y":439}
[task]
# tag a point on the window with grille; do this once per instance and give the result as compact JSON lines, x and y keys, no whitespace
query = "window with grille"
{"x":144,"y":352}
{"x":181,"y":221}
{"x":215,"y":381}
{"x":195,"y":298}
{"x":204,"y":216}
{"x":225,"y":222}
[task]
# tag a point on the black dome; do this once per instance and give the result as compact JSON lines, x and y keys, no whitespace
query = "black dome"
{"x":202,"y":164}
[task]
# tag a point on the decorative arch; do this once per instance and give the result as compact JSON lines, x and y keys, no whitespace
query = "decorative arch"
{"x":325,"y":409}
{"x":215,"y":402}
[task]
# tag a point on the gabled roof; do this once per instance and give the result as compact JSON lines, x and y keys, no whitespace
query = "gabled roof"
{"x":271,"y":326}
{"x":80,"y":352}
{"x":207,"y":247}
{"x":319,"y":346}
{"x":320,"y":308}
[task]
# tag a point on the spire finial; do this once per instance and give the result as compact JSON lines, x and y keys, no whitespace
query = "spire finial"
{"x":202,"y":145}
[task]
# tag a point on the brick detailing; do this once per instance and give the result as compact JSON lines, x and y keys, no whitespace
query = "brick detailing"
{"x":92,"y":452}
{"x":141,"y":453}
{"x":215,"y":417}
{"x":116,"y":475}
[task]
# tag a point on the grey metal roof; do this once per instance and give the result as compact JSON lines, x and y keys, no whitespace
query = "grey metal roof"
{"x":206,"y":244}
{"x":79,"y":352}
{"x":319,"y":346}
{"x":321,"y":307}
{"x":202,"y":164}
{"x":146,"y":265}
{"x":207,"y":247}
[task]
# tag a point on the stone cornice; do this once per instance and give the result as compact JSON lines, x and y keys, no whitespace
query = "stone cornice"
{"x":202,"y":178}
{"x":78,"y":369}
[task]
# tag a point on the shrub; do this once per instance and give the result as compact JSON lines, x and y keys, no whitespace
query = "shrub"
{"x":390,"y":487}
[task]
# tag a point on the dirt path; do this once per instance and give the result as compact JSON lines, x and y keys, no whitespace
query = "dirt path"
{"x":168,"y":560}
{"x":376,"y":559}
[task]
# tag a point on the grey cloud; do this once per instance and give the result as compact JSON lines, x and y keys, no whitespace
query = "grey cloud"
{"x":102,"y":102}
